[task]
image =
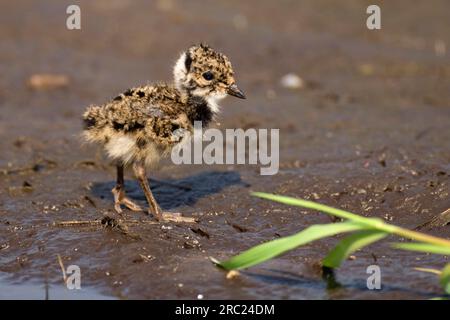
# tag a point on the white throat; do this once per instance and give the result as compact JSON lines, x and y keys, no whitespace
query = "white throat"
{"x":180,"y":72}
{"x":213,"y":102}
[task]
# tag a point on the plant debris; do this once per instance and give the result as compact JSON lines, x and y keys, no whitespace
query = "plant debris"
{"x":47,"y":81}
{"x":441,"y":220}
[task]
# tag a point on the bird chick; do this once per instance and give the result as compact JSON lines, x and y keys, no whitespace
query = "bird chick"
{"x":143,"y":124}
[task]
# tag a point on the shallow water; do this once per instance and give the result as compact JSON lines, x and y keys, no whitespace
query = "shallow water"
{"x":32,"y":290}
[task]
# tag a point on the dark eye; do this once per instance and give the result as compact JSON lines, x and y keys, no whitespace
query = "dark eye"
{"x":208,"y":75}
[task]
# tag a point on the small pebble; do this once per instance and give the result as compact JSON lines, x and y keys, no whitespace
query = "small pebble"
{"x":232,"y":274}
{"x":292,"y":81}
{"x":48,"y":81}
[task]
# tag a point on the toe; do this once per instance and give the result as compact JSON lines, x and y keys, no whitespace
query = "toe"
{"x":117,"y":207}
{"x":177,"y":217}
{"x":131,"y":205}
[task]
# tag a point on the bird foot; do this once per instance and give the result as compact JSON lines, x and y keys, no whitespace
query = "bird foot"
{"x":121,"y":199}
{"x":177,"y":217}
{"x":174,"y":217}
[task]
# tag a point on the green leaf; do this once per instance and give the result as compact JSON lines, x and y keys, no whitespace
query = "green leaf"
{"x":423,"y":247}
{"x":429,"y":270}
{"x":445,"y":278}
{"x":349,"y":245}
{"x":372,"y":222}
{"x":271,"y":249}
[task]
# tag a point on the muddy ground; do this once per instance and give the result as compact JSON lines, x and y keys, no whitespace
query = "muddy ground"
{"x":368,"y":132}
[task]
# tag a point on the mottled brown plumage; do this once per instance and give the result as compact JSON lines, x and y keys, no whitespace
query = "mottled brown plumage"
{"x":143,"y":124}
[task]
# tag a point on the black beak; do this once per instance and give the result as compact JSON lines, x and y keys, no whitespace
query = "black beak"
{"x":233,"y":90}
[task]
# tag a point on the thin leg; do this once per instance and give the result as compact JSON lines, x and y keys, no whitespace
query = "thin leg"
{"x":139,"y":171}
{"x":141,"y":175}
{"x":119,"y":193}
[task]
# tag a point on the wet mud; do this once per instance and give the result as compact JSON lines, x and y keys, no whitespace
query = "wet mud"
{"x":368,"y":131}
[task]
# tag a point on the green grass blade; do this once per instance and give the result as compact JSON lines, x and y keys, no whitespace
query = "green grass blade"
{"x":271,"y":249}
{"x":373,"y":222}
{"x":429,"y":270}
{"x":349,"y":245}
{"x":445,"y":278}
{"x":423,"y":247}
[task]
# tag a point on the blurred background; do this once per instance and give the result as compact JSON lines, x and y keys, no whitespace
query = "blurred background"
{"x":364,"y":125}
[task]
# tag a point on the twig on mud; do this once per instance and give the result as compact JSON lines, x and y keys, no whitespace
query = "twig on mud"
{"x":441,"y":220}
{"x":91,"y":202}
{"x":119,"y":225}
{"x":75,"y":223}
{"x":145,"y":258}
{"x":71,"y":223}
{"x":62,"y":268}
{"x":107,"y":222}
{"x":17,"y":170}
